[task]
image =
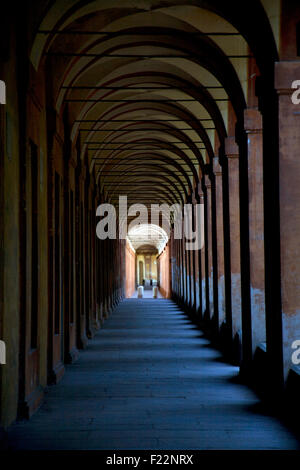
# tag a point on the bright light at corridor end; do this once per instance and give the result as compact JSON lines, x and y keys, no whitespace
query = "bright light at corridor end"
{"x":185,"y":222}
{"x":147,"y":234}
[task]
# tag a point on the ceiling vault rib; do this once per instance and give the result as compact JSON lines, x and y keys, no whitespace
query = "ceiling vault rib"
{"x":142,"y":120}
{"x":133,"y":87}
{"x":148,"y":142}
{"x":144,"y":129}
{"x":139,"y":56}
{"x":144,"y":164}
{"x":170,"y":150}
{"x":126,"y":162}
{"x":88,"y":100}
{"x":135,"y":33}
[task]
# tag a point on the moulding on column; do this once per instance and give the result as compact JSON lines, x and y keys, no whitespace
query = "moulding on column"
{"x":252,"y":121}
{"x":200,"y":192}
{"x":231,"y":147}
{"x":207,"y":181}
{"x":285,"y":73}
{"x":217,"y":169}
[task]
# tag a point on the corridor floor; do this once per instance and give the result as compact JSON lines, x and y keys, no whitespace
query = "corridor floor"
{"x":150,"y":380}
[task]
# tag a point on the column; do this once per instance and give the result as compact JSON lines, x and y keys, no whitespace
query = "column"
{"x":195,"y":258}
{"x":289,"y":200}
{"x":253,"y":128}
{"x":232,"y":153}
{"x":220,"y":238}
{"x":210,"y":306}
{"x":202,"y":264}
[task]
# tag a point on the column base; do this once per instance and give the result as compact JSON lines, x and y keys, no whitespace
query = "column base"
{"x":97,"y":324}
{"x":56,"y":374}
{"x":31,"y":404}
{"x":72,"y":356}
{"x":82,"y":341}
{"x":90,"y":333}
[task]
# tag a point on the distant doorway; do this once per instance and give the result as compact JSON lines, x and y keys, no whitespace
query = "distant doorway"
{"x":141,"y":273}
{"x":147,"y":266}
{"x":144,"y":246}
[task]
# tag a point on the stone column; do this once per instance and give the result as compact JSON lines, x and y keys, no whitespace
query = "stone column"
{"x":195,"y":257}
{"x":289,"y":199}
{"x":232,"y":153}
{"x":209,"y":247}
{"x":185,"y":269}
{"x":178,"y":268}
{"x":202,"y":263}
{"x":189,"y":268}
{"x":175,"y":267}
{"x":189,"y":272}
{"x":180,"y":244}
{"x":220,"y":238}
{"x":253,"y":128}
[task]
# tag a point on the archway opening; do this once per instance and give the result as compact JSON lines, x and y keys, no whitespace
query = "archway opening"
{"x":146,"y":260}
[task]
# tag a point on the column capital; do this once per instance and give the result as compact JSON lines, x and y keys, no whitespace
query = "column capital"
{"x":189,"y":198}
{"x":252,"y":121}
{"x":72,"y":161}
{"x":231,"y":147}
{"x":286,"y":72}
{"x":207,"y":181}
{"x":217,"y":167}
{"x":200,"y":192}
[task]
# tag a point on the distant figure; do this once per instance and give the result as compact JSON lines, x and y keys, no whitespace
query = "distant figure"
{"x":143,"y":282}
{"x":151,"y":282}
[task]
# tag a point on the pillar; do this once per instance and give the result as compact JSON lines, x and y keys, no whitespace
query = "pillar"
{"x":253,"y":128}
{"x":202,"y":264}
{"x":232,"y":153}
{"x":220,"y":238}
{"x":289,"y":201}
{"x":209,"y":277}
{"x":195,"y":258}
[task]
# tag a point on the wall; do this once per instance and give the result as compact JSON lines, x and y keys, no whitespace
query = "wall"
{"x":129,"y":270}
{"x":10,"y":227}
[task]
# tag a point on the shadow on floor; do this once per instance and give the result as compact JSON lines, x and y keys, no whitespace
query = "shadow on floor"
{"x":150,"y":380}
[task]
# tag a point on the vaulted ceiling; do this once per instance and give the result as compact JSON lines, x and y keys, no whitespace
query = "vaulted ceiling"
{"x":147,"y":85}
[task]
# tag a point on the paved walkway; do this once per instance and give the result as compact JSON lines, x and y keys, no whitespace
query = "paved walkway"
{"x":150,"y":380}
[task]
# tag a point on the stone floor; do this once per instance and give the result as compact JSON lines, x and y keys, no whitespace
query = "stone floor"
{"x":150,"y":380}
